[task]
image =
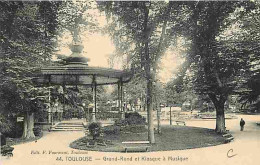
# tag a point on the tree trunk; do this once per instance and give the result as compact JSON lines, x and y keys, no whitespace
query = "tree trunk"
{"x":220,"y":115}
{"x":220,"y":119}
{"x":131,"y":107}
{"x":144,"y":105}
{"x":28,"y":126}
{"x":148,"y":74}
{"x":158,"y":119}
{"x":25,"y":122}
{"x":150,"y":113}
{"x":170,"y":115}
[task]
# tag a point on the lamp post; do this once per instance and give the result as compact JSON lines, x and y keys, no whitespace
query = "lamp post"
{"x":88,"y":114}
{"x":56,"y":105}
{"x":170,"y":114}
{"x":83,"y":105}
{"x":159,"y":118}
{"x":90,"y":106}
{"x":51,"y":116}
{"x":49,"y":107}
{"x":109,"y":105}
{"x":124,"y":102}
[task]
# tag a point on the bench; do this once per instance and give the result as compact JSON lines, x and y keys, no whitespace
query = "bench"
{"x":227,"y":140}
{"x":225,"y":135}
{"x":136,"y":148}
{"x":228,"y":137}
{"x":180,"y":122}
{"x":136,"y":142}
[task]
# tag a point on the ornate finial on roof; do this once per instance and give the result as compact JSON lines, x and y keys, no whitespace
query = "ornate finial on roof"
{"x":76,"y":57}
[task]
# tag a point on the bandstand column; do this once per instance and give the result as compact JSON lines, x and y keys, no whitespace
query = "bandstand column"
{"x":122,"y":102}
{"x":50,"y":114}
{"x":63,"y":106}
{"x":49,"y":106}
{"x":94,"y":90}
{"x":118,"y":98}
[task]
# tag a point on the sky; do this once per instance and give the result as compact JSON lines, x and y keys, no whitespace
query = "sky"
{"x":169,"y":65}
{"x":97,"y":48}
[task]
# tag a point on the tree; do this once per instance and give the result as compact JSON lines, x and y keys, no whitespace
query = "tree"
{"x":27,"y":37}
{"x":174,"y":90}
{"x":159,"y":100}
{"x":245,"y":39}
{"x":134,"y":91}
{"x":216,"y":64}
{"x":75,"y":17}
{"x":139,"y":31}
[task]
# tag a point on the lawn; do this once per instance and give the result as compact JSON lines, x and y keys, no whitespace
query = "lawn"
{"x":16,"y":141}
{"x":171,"y":138}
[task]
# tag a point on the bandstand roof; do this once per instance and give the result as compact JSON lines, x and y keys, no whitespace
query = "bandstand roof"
{"x":82,"y":74}
{"x":77,"y":72}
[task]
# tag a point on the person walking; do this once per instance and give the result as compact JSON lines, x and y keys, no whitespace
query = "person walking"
{"x":242,"y":124}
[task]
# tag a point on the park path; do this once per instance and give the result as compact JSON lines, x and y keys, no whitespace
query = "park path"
{"x":246,"y":149}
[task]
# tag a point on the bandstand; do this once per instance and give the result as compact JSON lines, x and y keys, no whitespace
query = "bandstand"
{"x":77,"y":72}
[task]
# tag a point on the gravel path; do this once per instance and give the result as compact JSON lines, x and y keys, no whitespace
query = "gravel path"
{"x":53,"y":149}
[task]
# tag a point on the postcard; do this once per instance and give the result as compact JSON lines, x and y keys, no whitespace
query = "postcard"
{"x":129,"y":82}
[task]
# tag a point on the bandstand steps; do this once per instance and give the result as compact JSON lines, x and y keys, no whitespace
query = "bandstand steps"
{"x":67,"y":127}
{"x":70,"y":128}
{"x":61,"y":123}
{"x":70,"y":125}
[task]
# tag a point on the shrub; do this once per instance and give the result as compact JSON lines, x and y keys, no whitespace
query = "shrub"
{"x":121,"y":122}
{"x":95,"y":130}
{"x":5,"y":124}
{"x":10,"y":128}
{"x":112,"y":130}
{"x":134,"y":119}
{"x":135,"y":129}
{"x":37,"y":130}
{"x":3,"y":139}
{"x":131,"y":119}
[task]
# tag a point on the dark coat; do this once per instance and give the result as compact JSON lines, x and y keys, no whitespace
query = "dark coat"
{"x":242,"y":123}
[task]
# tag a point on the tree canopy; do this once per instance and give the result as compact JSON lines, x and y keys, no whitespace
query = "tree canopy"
{"x":27,"y":39}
